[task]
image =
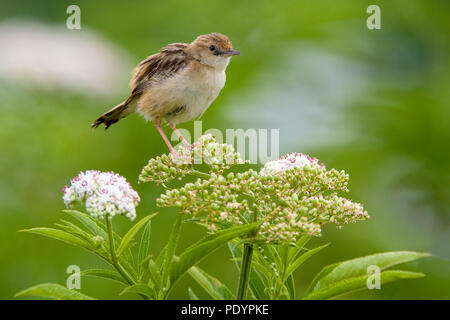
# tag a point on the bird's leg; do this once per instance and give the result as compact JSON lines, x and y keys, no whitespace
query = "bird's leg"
{"x":163,"y":135}
{"x":186,"y":144}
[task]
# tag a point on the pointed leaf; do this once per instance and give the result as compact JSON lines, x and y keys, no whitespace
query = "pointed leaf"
{"x":202,"y":248}
{"x":144,"y":247}
{"x":358,"y":283}
{"x":325,"y":271}
{"x":160,"y":259}
{"x":301,"y":242}
{"x":192,"y":295}
{"x":141,"y":289}
{"x":90,"y":223}
{"x":61,"y":236}
{"x":211,"y":285}
{"x":274,"y":256}
{"x":96,"y":227}
{"x":358,"y":267}
{"x":262,"y":269}
{"x":105,"y":274}
{"x":305,"y":256}
{"x":80,"y":233}
{"x":131,"y":233}
{"x":169,"y":250}
{"x":53,"y":291}
{"x":290,"y":284}
{"x":128,"y":267}
{"x":75,"y":230}
{"x":155,"y":274}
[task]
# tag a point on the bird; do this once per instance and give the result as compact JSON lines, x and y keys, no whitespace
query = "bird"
{"x":177,"y":84}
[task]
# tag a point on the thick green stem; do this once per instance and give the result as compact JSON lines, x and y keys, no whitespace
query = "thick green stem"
{"x":244,"y":277}
{"x":124,"y":273}
{"x":246,"y":264}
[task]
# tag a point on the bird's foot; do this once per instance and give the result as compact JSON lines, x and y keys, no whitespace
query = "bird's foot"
{"x":178,"y":133}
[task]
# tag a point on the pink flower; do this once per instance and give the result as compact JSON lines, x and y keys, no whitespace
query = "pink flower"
{"x":289,"y":161}
{"x":103,"y":193}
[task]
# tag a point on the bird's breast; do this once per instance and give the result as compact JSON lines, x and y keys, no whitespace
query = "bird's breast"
{"x":200,"y":90}
{"x":183,"y":97}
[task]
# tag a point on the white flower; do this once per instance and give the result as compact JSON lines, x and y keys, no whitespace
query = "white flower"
{"x":208,"y":150}
{"x":289,"y":161}
{"x":104,"y":194}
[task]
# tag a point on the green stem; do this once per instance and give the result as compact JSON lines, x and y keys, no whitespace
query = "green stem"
{"x":244,"y":277}
{"x":246,"y":263}
{"x":124,"y":273}
{"x":200,"y":174}
{"x":114,"y":260}
{"x":111,"y":239}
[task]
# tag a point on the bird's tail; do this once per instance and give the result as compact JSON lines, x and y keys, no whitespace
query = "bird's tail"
{"x":115,"y":114}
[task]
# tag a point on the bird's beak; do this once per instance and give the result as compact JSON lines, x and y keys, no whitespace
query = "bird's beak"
{"x":232,"y":53}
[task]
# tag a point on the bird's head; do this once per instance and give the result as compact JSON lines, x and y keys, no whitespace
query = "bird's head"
{"x":213,"y":49}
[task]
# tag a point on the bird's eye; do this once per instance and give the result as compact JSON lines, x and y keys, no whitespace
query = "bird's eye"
{"x":212,"y":47}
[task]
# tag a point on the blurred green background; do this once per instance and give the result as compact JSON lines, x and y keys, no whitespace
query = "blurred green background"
{"x":373,"y":102}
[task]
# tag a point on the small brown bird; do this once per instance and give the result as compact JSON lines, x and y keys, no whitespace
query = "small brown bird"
{"x":176,"y":84}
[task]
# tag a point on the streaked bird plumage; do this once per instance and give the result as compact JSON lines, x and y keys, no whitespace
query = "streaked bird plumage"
{"x":176,"y":84}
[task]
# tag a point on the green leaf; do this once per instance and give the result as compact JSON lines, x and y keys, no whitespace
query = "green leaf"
{"x":128,"y":267}
{"x":141,"y":289}
{"x":105,"y":274}
{"x":96,"y":227}
{"x":357,"y":268}
{"x":144,"y":247}
{"x":326,"y":270}
{"x":160,"y":259}
{"x":299,"y":261}
{"x":192,"y":295}
{"x":195,"y":253}
{"x":262,"y":261}
{"x":61,"y":236}
{"x":90,"y":223}
{"x":262,"y":268}
{"x":358,"y":283}
{"x":274,"y":256}
{"x":290,"y":284}
{"x":131,"y":233}
{"x":301,"y":242}
{"x":169,"y":250}
{"x":74,"y":229}
{"x":155,"y":274}
{"x":80,"y":233}
{"x":216,"y":289}
{"x":142,"y":267}
{"x":53,"y":291}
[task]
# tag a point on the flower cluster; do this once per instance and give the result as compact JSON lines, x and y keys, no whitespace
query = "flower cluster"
{"x":217,"y":156}
{"x":104,"y":194}
{"x":289,"y":161}
{"x":290,"y":196}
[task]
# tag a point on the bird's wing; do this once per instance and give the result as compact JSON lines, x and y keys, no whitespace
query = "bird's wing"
{"x":164,"y":64}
